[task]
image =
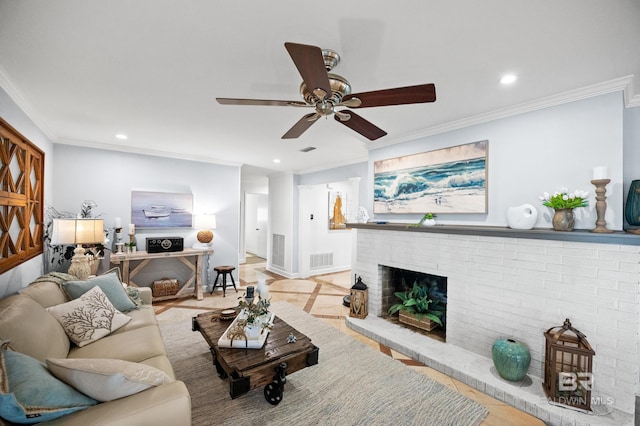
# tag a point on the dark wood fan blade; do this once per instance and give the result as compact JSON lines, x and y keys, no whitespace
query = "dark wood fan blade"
{"x":362,"y":126}
{"x":301,"y":126}
{"x":310,"y":64}
{"x":268,"y":102}
{"x":398,"y":96}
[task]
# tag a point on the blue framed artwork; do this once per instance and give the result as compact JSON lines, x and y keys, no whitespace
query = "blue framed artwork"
{"x":161,"y":210}
{"x":448,"y":180}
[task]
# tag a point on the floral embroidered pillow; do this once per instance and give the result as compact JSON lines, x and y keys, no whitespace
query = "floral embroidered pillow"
{"x":89,"y":317}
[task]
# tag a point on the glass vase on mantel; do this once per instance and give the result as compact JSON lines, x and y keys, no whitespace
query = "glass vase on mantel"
{"x":563,"y":220}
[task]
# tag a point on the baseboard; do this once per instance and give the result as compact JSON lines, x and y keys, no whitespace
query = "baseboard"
{"x":282,"y":272}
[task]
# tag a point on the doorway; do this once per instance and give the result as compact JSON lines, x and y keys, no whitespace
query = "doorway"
{"x":256,"y":221}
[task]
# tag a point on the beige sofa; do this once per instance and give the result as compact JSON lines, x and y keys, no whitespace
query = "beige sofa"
{"x":33,"y":331}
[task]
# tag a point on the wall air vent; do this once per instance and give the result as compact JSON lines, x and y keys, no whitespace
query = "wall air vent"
{"x":277,"y":250}
{"x":320,"y":260}
{"x":307,"y":149}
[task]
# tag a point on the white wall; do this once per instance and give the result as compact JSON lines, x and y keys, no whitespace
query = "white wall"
{"x":631,"y":136}
{"x":535,"y":152}
{"x":108,"y":177}
{"x":314,"y":235}
{"x":343,"y":173}
{"x":283,"y":221}
{"x":12,"y":280}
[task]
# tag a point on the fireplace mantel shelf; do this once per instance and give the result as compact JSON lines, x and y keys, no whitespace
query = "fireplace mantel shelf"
{"x":583,"y":236}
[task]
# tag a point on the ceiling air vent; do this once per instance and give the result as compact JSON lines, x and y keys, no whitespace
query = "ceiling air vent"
{"x":307,"y":149}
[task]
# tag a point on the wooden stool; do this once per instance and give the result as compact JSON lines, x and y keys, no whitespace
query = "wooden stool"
{"x":224,"y":270}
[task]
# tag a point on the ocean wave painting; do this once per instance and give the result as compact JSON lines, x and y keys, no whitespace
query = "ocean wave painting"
{"x":449,"y":180}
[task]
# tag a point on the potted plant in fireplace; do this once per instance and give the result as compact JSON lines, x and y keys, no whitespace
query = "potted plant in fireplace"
{"x":422,"y":306}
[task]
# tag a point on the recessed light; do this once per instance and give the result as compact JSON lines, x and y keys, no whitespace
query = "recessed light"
{"x":276,"y":160}
{"x":508,"y":79}
{"x":122,"y":136}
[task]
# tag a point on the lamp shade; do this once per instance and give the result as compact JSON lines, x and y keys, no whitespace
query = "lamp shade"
{"x":77,"y":231}
{"x":205,"y":221}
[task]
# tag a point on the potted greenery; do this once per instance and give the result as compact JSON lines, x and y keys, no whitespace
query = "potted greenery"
{"x":429,"y":219}
{"x":563,"y":203}
{"x":419,"y":308}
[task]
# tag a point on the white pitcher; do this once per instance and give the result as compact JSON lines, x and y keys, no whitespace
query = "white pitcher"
{"x":522,"y":217}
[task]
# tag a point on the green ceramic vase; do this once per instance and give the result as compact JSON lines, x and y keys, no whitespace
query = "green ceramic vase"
{"x":632,"y":208}
{"x":511,"y":358}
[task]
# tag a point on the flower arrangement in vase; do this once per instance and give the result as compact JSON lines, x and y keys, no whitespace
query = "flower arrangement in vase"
{"x":563,"y":203}
{"x":255,"y":316}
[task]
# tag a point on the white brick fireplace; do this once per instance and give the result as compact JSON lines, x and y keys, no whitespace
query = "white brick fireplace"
{"x":506,"y":283}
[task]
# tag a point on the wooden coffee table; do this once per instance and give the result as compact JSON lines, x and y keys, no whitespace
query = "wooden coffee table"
{"x":268,"y":366}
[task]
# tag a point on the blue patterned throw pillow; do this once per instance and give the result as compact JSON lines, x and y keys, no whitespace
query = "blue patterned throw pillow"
{"x":29,"y":393}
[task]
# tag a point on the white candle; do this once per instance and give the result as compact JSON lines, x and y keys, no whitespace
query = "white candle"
{"x":600,"y":172}
{"x":132,"y":229}
{"x":118,"y":222}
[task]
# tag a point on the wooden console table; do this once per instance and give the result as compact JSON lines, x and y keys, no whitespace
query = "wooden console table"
{"x":190,"y":257}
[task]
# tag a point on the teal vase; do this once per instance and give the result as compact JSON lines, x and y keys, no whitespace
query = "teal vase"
{"x":632,"y":207}
{"x":511,"y":358}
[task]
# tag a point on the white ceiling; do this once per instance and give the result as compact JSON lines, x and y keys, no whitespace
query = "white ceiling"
{"x":85,"y":70}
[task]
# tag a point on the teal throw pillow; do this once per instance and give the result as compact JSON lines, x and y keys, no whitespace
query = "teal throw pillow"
{"x":109,"y":284}
{"x":29,"y":393}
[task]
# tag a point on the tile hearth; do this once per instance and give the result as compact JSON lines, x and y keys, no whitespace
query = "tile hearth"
{"x":322,"y":296}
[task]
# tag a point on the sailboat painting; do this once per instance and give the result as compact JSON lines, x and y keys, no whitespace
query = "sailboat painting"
{"x":161,"y":210}
{"x":448,"y":180}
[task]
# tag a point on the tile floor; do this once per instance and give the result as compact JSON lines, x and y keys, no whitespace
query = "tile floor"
{"x":322,"y":296}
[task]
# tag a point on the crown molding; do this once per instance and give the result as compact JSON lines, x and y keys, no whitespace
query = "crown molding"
{"x":624,"y":84}
{"x":16,"y":95}
{"x":631,"y":98}
{"x":146,"y":151}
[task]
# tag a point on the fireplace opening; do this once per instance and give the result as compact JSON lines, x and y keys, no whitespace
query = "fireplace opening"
{"x":429,"y":289}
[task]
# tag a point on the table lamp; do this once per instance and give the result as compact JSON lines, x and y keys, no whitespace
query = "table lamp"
{"x":78,"y":231}
{"x":205,"y":223}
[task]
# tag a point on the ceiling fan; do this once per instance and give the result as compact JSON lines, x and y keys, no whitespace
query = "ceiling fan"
{"x":325,"y":91}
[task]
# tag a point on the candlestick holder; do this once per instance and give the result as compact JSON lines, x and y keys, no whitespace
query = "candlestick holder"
{"x":119,"y":243}
{"x":601,"y":205}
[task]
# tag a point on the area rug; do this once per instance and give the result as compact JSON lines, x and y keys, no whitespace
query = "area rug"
{"x":352,"y":384}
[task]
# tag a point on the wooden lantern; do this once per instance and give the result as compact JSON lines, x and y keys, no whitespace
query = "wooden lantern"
{"x":359,"y":299}
{"x":568,"y":367}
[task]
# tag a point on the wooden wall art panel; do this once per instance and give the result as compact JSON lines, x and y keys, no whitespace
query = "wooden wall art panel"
{"x":21,"y":198}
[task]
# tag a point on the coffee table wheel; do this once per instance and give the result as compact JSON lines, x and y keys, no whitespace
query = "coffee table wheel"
{"x":274,"y":391}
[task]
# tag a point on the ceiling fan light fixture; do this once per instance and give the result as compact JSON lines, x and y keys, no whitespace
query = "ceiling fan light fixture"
{"x":324,"y":91}
{"x":331,"y":59}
